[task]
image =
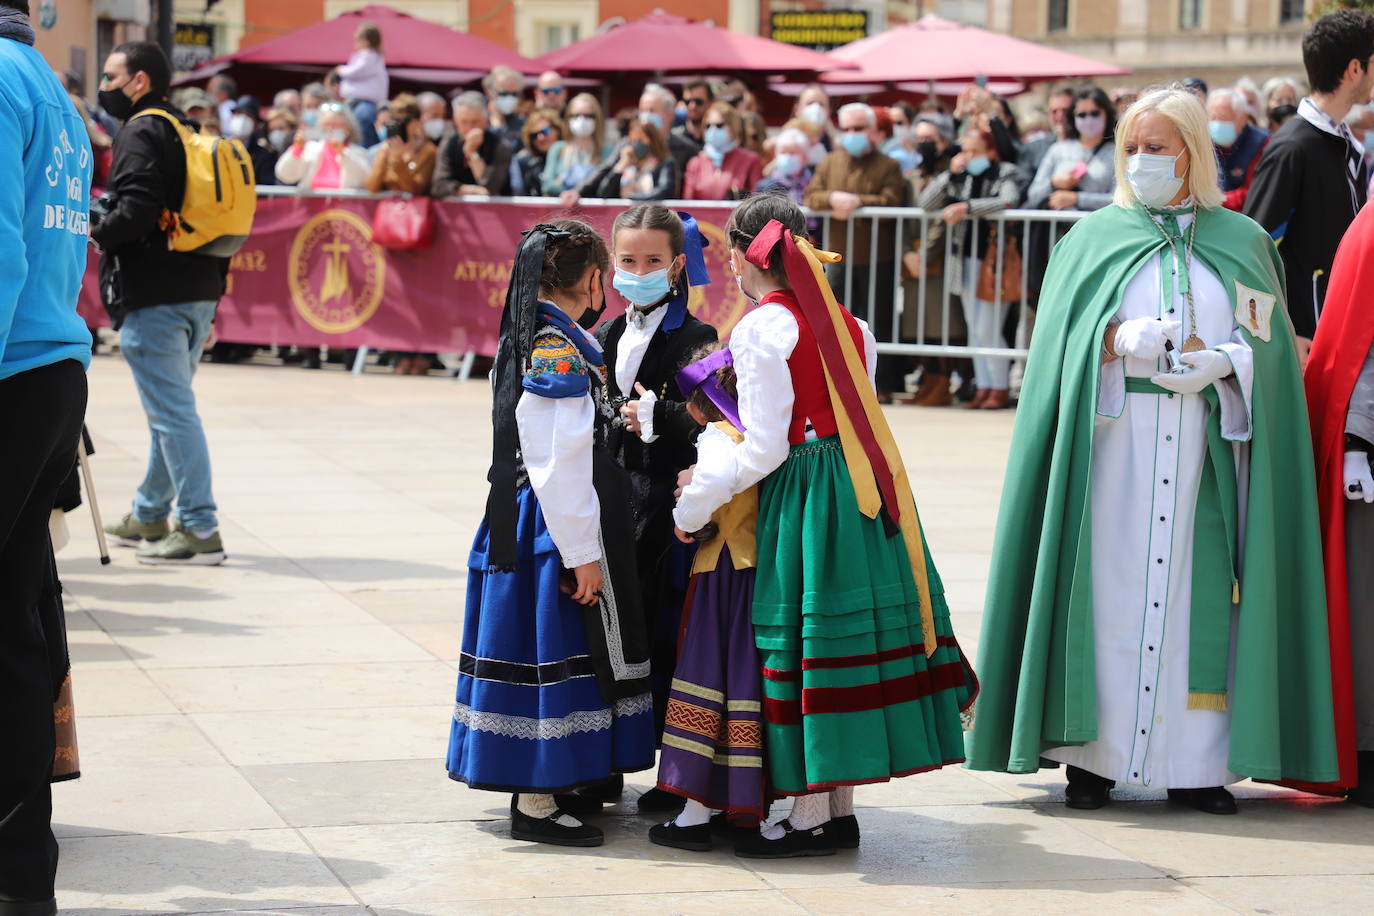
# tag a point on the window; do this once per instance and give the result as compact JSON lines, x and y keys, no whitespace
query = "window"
{"x":1059,"y":15}
{"x":1189,"y":14}
{"x":1291,"y":11}
{"x":555,"y":35}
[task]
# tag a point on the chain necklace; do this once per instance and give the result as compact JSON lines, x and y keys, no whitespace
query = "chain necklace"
{"x":1193,"y":343}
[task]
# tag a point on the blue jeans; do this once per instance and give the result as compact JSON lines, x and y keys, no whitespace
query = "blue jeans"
{"x":162,"y":345}
{"x":365,"y":113}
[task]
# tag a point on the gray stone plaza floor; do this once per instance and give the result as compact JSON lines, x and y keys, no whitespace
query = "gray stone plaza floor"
{"x":268,"y":736}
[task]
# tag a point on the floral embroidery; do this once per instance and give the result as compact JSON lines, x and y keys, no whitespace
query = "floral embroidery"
{"x":554,"y":354}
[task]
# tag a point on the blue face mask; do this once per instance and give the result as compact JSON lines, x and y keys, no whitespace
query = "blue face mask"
{"x":1223,"y":132}
{"x":789,"y":165}
{"x":651,"y":117}
{"x":1153,"y":179}
{"x":978,"y":165}
{"x":855,"y":145}
{"x":642,"y":289}
{"x":311,"y":117}
{"x":718,"y":137}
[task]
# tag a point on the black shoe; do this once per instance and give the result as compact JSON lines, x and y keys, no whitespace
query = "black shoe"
{"x":791,"y":845}
{"x":1363,"y":794}
{"x":657,"y":800}
{"x":578,"y":805}
{"x":548,"y":830}
{"x":310,"y":362}
{"x":1214,"y":800}
{"x":844,"y":831}
{"x":1086,"y":791}
{"x":607,"y":790}
{"x":28,"y":907}
{"x":724,"y":828}
{"x":697,"y":839}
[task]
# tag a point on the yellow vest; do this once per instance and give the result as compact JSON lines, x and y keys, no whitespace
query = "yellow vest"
{"x":736,"y":520}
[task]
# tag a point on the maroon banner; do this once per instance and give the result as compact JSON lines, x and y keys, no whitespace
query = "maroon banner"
{"x":310,"y":275}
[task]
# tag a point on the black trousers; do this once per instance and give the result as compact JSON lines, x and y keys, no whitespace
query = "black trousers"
{"x":41,"y":412}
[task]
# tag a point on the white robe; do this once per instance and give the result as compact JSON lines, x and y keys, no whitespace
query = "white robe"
{"x":1148,"y":453}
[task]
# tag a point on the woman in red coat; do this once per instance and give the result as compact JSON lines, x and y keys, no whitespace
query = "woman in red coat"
{"x":723,"y":170}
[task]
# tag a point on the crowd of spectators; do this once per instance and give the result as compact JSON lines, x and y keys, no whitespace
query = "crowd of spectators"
{"x":707,"y":141}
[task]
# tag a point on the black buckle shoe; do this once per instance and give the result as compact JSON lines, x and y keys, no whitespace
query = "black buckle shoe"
{"x":606,"y":791}
{"x":28,"y":907}
{"x":1086,"y":791}
{"x":844,"y":831}
{"x":791,"y":845}
{"x":577,"y":804}
{"x":656,"y":800}
{"x":697,"y":839}
{"x":1363,"y":794}
{"x":548,"y":830}
{"x":1213,"y":800}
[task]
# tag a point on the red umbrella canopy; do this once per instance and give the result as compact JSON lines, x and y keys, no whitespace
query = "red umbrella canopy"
{"x":663,"y":43}
{"x":408,"y":44}
{"x":932,"y":48}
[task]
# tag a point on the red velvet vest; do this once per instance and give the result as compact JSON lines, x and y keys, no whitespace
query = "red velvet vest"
{"x":811,"y":404}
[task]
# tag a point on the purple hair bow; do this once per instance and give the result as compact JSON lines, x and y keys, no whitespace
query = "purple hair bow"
{"x":702,"y":374}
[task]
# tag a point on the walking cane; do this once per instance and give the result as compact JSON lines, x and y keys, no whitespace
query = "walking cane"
{"x":90,"y":495}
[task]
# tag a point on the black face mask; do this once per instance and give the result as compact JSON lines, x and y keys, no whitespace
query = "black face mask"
{"x":641,"y":150}
{"x":116,"y":104}
{"x":590,"y":316}
{"x":927,"y":150}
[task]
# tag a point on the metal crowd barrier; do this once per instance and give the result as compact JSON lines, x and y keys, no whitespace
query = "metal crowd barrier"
{"x":924,"y":320}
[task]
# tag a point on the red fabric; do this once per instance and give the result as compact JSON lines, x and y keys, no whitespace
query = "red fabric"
{"x":660,"y":42}
{"x":932,"y":48}
{"x":740,"y":172}
{"x":811,"y":397}
{"x":815,"y":315}
{"x":1339,"y":349}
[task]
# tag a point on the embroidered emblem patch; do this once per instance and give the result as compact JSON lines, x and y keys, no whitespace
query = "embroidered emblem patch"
{"x":1254,"y":311}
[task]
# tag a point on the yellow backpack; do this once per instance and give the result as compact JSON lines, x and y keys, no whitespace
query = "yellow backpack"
{"x":217,"y":209}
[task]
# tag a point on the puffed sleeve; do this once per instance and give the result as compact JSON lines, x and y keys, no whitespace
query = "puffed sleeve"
{"x":556,"y":422}
{"x":761,"y":345}
{"x":712,"y":481}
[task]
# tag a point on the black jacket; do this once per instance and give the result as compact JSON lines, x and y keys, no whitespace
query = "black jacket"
{"x":605,"y":181}
{"x":1302,"y":197}
{"x":675,"y":448}
{"x":149,"y":176}
{"x":451,"y":169}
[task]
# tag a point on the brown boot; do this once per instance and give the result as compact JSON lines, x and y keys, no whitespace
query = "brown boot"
{"x":978,"y":399}
{"x":997,"y":399}
{"x":934,"y":391}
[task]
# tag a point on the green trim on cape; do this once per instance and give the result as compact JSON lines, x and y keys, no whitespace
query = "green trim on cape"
{"x":1036,"y":659}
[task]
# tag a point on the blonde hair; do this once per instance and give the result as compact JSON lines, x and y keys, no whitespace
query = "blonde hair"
{"x":1189,"y":118}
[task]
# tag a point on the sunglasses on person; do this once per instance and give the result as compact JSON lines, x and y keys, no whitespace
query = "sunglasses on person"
{"x":541,"y":132}
{"x":695,"y":102}
{"x":551,"y":91}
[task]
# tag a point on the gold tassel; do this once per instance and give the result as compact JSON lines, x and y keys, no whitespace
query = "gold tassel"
{"x":1212,"y":701}
{"x":1235,"y":593}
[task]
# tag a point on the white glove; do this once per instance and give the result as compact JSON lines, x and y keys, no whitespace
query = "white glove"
{"x":1357,"y":475}
{"x":1203,"y":368}
{"x":1144,"y":338}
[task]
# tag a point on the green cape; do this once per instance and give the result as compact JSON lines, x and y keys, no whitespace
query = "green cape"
{"x":1036,"y":654}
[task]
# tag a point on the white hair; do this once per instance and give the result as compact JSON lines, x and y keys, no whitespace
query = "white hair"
{"x":662,"y":93}
{"x":1274,"y":83}
{"x":866,"y":110}
{"x":471,"y":99}
{"x":429,"y":98}
{"x":1245,"y":84}
{"x":792,"y":136}
{"x":1185,"y":110}
{"x":1239,"y":104}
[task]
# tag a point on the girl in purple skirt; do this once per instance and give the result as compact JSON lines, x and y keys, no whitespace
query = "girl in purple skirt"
{"x":713,"y":738}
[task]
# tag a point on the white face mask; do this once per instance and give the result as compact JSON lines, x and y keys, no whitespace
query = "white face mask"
{"x":815,"y":113}
{"x":434,"y":128}
{"x":279,"y":139}
{"x":240,"y":127}
{"x":582,"y":126}
{"x":901,"y":132}
{"x":506,"y":103}
{"x":1152,"y":178}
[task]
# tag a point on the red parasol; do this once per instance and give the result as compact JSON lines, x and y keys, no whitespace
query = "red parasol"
{"x":932,"y":48}
{"x":660,"y":43}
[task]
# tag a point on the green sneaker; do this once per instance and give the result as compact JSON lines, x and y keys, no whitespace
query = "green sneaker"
{"x":182,"y":548}
{"x":130,"y":532}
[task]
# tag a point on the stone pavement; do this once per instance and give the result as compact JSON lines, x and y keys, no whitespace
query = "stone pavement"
{"x":268,"y":736}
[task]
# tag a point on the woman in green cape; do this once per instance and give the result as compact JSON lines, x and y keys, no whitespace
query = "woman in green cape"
{"x":1156,"y":609}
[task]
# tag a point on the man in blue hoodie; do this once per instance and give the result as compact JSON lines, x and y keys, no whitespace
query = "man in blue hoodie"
{"x":44,"y":352}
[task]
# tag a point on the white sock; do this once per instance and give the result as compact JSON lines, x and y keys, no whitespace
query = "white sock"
{"x":810,"y":810}
{"x":772,"y":832}
{"x":207,"y":533}
{"x":842,"y":802}
{"x":531,"y":805}
{"x":694,"y":814}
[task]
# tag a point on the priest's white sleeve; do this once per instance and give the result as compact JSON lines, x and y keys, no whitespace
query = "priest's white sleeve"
{"x":556,"y":444}
{"x":761,"y":344}
{"x":1236,"y":390}
{"x":712,"y":483}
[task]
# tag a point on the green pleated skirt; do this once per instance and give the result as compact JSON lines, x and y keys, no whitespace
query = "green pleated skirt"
{"x":849,"y":696}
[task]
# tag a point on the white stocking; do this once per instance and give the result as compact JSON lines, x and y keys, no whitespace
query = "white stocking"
{"x":842,"y":802}
{"x":810,"y":810}
{"x":538,"y":806}
{"x":694,"y":814}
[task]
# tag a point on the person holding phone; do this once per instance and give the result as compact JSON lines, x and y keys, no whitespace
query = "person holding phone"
{"x":1077,"y":173}
{"x":642,"y":170}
